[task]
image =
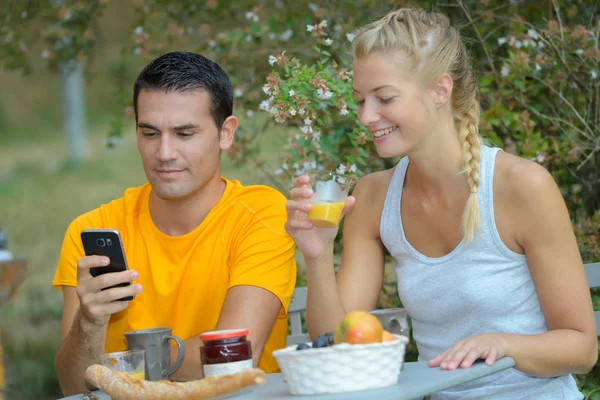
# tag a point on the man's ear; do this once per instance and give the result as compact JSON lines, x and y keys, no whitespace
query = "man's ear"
{"x":228,"y":132}
{"x":442,"y":90}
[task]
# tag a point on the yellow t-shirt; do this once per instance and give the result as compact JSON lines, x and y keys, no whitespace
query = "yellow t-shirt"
{"x":185,"y":278}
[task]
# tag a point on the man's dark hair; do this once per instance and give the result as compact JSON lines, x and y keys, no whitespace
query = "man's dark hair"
{"x":186,"y":71}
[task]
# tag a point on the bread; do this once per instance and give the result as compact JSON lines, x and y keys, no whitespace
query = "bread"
{"x":121,"y":386}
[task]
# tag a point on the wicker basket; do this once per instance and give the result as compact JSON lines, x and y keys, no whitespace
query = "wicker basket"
{"x":343,"y":367}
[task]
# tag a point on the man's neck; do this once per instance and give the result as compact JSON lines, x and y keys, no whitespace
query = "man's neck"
{"x":178,"y":217}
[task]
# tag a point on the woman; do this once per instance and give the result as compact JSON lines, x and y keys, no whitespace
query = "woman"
{"x":487,"y":261}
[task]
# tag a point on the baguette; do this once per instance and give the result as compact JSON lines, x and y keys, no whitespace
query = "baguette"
{"x":121,"y":386}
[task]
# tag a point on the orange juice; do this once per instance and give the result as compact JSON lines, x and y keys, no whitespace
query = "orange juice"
{"x":326,"y":215}
{"x":137,"y":374}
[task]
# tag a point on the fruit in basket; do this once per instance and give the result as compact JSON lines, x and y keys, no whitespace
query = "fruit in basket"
{"x":359,"y":327}
{"x":387,"y":337}
{"x":303,"y":346}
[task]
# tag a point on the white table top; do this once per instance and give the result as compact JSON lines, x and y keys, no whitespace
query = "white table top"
{"x":417,"y":380}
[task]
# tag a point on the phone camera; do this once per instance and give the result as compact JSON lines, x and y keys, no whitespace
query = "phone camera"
{"x":108,"y":242}
{"x":100,"y":242}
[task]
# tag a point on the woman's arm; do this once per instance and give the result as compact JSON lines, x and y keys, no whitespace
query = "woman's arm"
{"x":360,"y":276}
{"x":541,"y":226}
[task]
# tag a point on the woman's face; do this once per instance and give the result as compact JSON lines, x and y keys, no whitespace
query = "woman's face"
{"x":392,"y":105}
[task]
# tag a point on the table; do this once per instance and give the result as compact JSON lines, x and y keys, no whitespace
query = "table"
{"x":417,"y":380}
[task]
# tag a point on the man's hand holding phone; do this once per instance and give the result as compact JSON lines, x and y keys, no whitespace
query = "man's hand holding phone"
{"x":98,"y":300}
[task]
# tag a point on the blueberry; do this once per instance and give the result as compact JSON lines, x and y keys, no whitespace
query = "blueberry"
{"x":329,"y":338}
{"x":302,"y":346}
{"x":321,"y":341}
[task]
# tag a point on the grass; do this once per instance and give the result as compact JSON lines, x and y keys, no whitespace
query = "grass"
{"x":39,"y":196}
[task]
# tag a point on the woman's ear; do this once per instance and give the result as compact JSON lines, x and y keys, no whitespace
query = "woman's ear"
{"x":442,"y":90}
{"x":227,"y":132}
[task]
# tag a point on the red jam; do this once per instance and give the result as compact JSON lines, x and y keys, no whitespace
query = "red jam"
{"x":225,"y":352}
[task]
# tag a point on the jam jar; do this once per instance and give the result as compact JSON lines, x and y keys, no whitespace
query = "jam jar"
{"x":225,"y":352}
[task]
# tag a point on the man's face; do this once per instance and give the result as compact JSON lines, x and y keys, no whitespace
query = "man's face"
{"x":179,"y":142}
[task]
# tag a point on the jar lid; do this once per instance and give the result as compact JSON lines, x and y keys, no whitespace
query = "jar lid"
{"x":224,"y":334}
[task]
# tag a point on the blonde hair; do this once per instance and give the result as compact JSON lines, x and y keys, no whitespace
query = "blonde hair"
{"x":433,"y":47}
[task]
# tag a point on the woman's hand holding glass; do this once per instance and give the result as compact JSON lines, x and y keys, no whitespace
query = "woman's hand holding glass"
{"x":314,"y":242}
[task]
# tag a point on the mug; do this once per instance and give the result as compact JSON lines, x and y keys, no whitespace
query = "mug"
{"x":156,"y":344}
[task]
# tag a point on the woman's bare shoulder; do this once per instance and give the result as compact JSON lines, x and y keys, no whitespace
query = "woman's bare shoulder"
{"x":520,"y":177}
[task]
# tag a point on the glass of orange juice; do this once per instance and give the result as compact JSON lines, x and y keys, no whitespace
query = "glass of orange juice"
{"x":330,"y":192}
{"x":129,"y":361}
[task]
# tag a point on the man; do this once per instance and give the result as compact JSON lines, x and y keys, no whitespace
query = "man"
{"x":204,"y":252}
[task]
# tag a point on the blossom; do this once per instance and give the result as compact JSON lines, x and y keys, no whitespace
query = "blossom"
{"x":313,"y":7}
{"x":316,"y":136}
{"x":272,"y":60}
{"x":579,"y":52}
{"x":344,"y":111}
{"x":309,"y":28}
{"x":594,"y":74}
{"x":353,"y":168}
{"x":504,"y":71}
{"x":328,"y":42}
{"x":278,"y":172}
{"x":301,"y":111}
{"x":264,"y":105}
{"x":341,"y":169}
{"x":350,"y":37}
{"x":533,"y":34}
{"x":285,"y":36}
{"x":306,"y":129}
{"x":249,"y":113}
{"x":212,"y":43}
{"x":291,"y":92}
{"x":238,"y":92}
{"x":501,"y":41}
{"x":266,"y":89}
{"x":139,"y":30}
{"x":307,"y":121}
{"x":292,"y":112}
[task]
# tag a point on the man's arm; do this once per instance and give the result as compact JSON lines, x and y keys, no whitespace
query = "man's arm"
{"x":86,"y":312}
{"x":247,"y":307}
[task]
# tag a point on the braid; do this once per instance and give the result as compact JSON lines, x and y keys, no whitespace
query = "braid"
{"x":468,"y":136}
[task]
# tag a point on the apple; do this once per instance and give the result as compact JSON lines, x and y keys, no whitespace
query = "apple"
{"x":358,"y":327}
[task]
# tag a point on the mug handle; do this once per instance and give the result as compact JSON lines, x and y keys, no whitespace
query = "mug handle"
{"x":180,"y":353}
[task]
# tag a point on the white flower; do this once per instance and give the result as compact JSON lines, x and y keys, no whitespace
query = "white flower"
{"x":309,"y":28}
{"x":353,"y":168}
{"x":540,"y":157}
{"x":316,"y":136}
{"x":238,"y":92}
{"x":285,"y":36}
{"x":272,"y":60}
{"x":341,"y":169}
{"x":579,"y":52}
{"x":301,"y":111}
{"x":24,"y":14}
{"x":533,"y":34}
{"x":248,"y":38}
{"x":291,"y":92}
{"x":45,"y":54}
{"x":249,"y":15}
{"x":328,"y":42}
{"x":278,"y":172}
{"x":313,"y":7}
{"x":271,"y":35}
{"x":264,"y":105}
{"x":307,"y":121}
{"x":284,"y":167}
{"x":266,"y":89}
{"x":518,"y":44}
{"x":137,"y":50}
{"x":537,"y":67}
{"x":541,"y":44}
{"x":594,"y":74}
{"x":350,"y":37}
{"x":512,"y":40}
{"x":501,"y":41}
{"x":212,"y":44}
{"x":249,"y":113}
{"x":139,"y":30}
{"x":292,"y":112}
{"x":319,"y":92}
{"x":526,"y":42}
{"x":323,"y":23}
{"x":273,"y":110}
{"x":297,"y":136}
{"x":504,"y":71}
{"x":298,"y":172}
{"x":255,"y":18}
{"x":296,"y":165}
{"x":344,"y":111}
{"x":306,"y":129}
{"x":327,"y":94}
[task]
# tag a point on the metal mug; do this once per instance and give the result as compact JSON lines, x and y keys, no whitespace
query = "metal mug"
{"x":393,"y":320}
{"x":155,"y":342}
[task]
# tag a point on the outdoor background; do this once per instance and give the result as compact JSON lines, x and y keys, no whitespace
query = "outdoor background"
{"x":537,"y":64}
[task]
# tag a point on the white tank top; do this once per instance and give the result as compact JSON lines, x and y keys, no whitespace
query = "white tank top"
{"x":480,"y":288}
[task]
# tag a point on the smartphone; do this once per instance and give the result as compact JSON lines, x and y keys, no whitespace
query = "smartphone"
{"x":106,"y":242}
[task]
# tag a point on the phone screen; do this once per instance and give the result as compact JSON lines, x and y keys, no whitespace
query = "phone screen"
{"x":105,"y":242}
